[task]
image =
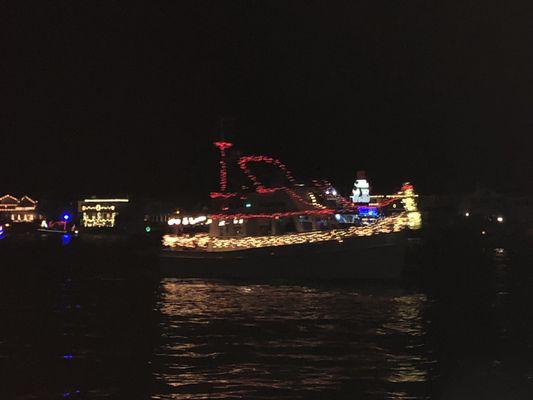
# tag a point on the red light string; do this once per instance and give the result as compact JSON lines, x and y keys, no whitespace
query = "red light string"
{"x":272,"y":215}
{"x":218,"y":195}
{"x":346,"y":205}
{"x":222,"y":146}
{"x":243,"y":164}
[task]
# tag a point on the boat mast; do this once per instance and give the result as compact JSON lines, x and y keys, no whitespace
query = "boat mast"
{"x":222,"y":146}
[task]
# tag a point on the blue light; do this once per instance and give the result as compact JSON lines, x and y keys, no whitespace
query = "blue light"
{"x":68,"y":356}
{"x":65,"y":239}
{"x":367,"y":211}
{"x":66,"y":217}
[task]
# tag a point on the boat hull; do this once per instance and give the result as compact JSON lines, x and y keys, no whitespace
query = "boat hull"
{"x":369,"y":257}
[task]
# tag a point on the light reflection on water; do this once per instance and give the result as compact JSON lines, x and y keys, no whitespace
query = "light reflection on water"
{"x":89,"y":326}
{"x":223,"y":340}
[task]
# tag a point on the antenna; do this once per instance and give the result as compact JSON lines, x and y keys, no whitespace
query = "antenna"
{"x":225,"y":125}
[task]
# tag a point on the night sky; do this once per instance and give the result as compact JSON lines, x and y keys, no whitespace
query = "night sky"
{"x":109,"y":98}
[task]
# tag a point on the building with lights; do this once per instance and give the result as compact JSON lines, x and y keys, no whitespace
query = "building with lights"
{"x":15,"y":210}
{"x":101,"y":213}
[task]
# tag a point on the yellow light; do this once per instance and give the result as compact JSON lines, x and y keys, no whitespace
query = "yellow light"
{"x":106,"y":200}
{"x":408,"y":197}
{"x":97,"y":207}
{"x":204,"y":241}
{"x":93,"y":219}
{"x":8,"y":196}
{"x":196,"y":220}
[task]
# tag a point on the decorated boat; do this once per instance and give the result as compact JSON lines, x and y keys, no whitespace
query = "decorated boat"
{"x":65,"y":226}
{"x":265,"y":224}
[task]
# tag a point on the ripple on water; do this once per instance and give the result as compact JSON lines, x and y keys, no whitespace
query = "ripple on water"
{"x":225,"y":340}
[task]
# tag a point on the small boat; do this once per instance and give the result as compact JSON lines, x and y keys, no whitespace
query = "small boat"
{"x":57,"y":227}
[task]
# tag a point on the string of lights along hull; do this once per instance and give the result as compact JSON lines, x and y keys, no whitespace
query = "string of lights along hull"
{"x":277,"y":226}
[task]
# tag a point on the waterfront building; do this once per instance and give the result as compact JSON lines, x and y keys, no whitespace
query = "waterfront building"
{"x":18,"y":210}
{"x":101,"y":213}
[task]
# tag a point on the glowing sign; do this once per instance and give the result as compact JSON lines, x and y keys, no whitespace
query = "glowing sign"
{"x":101,"y":212}
{"x":361,"y":191}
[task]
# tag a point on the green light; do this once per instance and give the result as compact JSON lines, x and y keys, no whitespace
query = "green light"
{"x":148,"y":229}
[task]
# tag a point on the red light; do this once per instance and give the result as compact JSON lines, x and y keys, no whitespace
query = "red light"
{"x":263,"y":190}
{"x":243,"y":164}
{"x":346,"y":205}
{"x":273,"y":215}
{"x":216,"y":195}
{"x":222,"y":146}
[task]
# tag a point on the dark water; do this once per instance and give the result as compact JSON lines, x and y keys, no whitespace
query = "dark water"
{"x":97,"y":323}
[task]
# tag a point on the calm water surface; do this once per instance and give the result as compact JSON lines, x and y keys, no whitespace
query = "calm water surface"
{"x":98,"y":324}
